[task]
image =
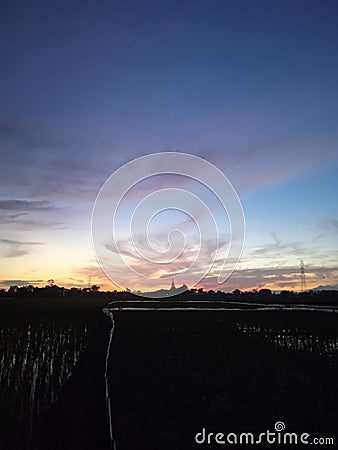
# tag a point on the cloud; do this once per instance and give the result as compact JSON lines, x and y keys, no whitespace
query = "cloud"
{"x":278,"y":247}
{"x":270,"y":161}
{"x":19,"y":282}
{"x":12,"y":218}
{"x":24,"y":222}
{"x":26,"y":205}
{"x":276,"y":278}
{"x":189,"y":266}
{"x":14,"y":242}
{"x":12,"y":248}
{"x":41,"y":162}
{"x":25,"y":214}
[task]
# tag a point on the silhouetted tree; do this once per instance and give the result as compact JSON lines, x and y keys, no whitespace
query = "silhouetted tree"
{"x":95,"y":288}
{"x":13,"y":290}
{"x":265,"y":292}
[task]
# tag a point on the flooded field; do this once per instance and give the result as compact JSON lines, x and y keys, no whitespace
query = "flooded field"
{"x":36,"y":359}
{"x":173,"y":373}
{"x":164,"y":376}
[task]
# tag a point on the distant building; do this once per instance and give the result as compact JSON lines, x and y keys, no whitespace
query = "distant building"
{"x":173,"y":287}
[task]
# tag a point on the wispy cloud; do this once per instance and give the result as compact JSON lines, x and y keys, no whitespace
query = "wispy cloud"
{"x":45,"y":162}
{"x":19,"y":282}
{"x":12,"y":248}
{"x":278,"y":247}
{"x":265,"y":163}
{"x":28,"y":214}
{"x":26,"y":205}
{"x":277,"y":278}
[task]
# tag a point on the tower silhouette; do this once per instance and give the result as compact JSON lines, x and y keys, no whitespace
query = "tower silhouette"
{"x":302,"y":276}
{"x":172,"y":284}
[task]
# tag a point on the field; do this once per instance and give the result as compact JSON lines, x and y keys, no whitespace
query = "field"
{"x":168,"y":376}
{"x":41,"y":341}
{"x":174,"y":373}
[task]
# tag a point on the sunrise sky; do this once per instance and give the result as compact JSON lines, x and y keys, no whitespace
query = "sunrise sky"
{"x":87,"y":86}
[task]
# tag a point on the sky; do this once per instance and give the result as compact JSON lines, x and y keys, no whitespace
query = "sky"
{"x":87,"y":86}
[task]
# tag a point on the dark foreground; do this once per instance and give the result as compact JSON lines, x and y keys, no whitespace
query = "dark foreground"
{"x":173,"y":373}
{"x":42,"y":341}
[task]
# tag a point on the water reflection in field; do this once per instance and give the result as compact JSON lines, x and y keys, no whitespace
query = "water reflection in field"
{"x":35,"y":361}
{"x":172,"y":373}
{"x":287,"y":339}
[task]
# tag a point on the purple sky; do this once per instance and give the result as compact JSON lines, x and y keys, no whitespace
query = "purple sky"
{"x":87,"y":86}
